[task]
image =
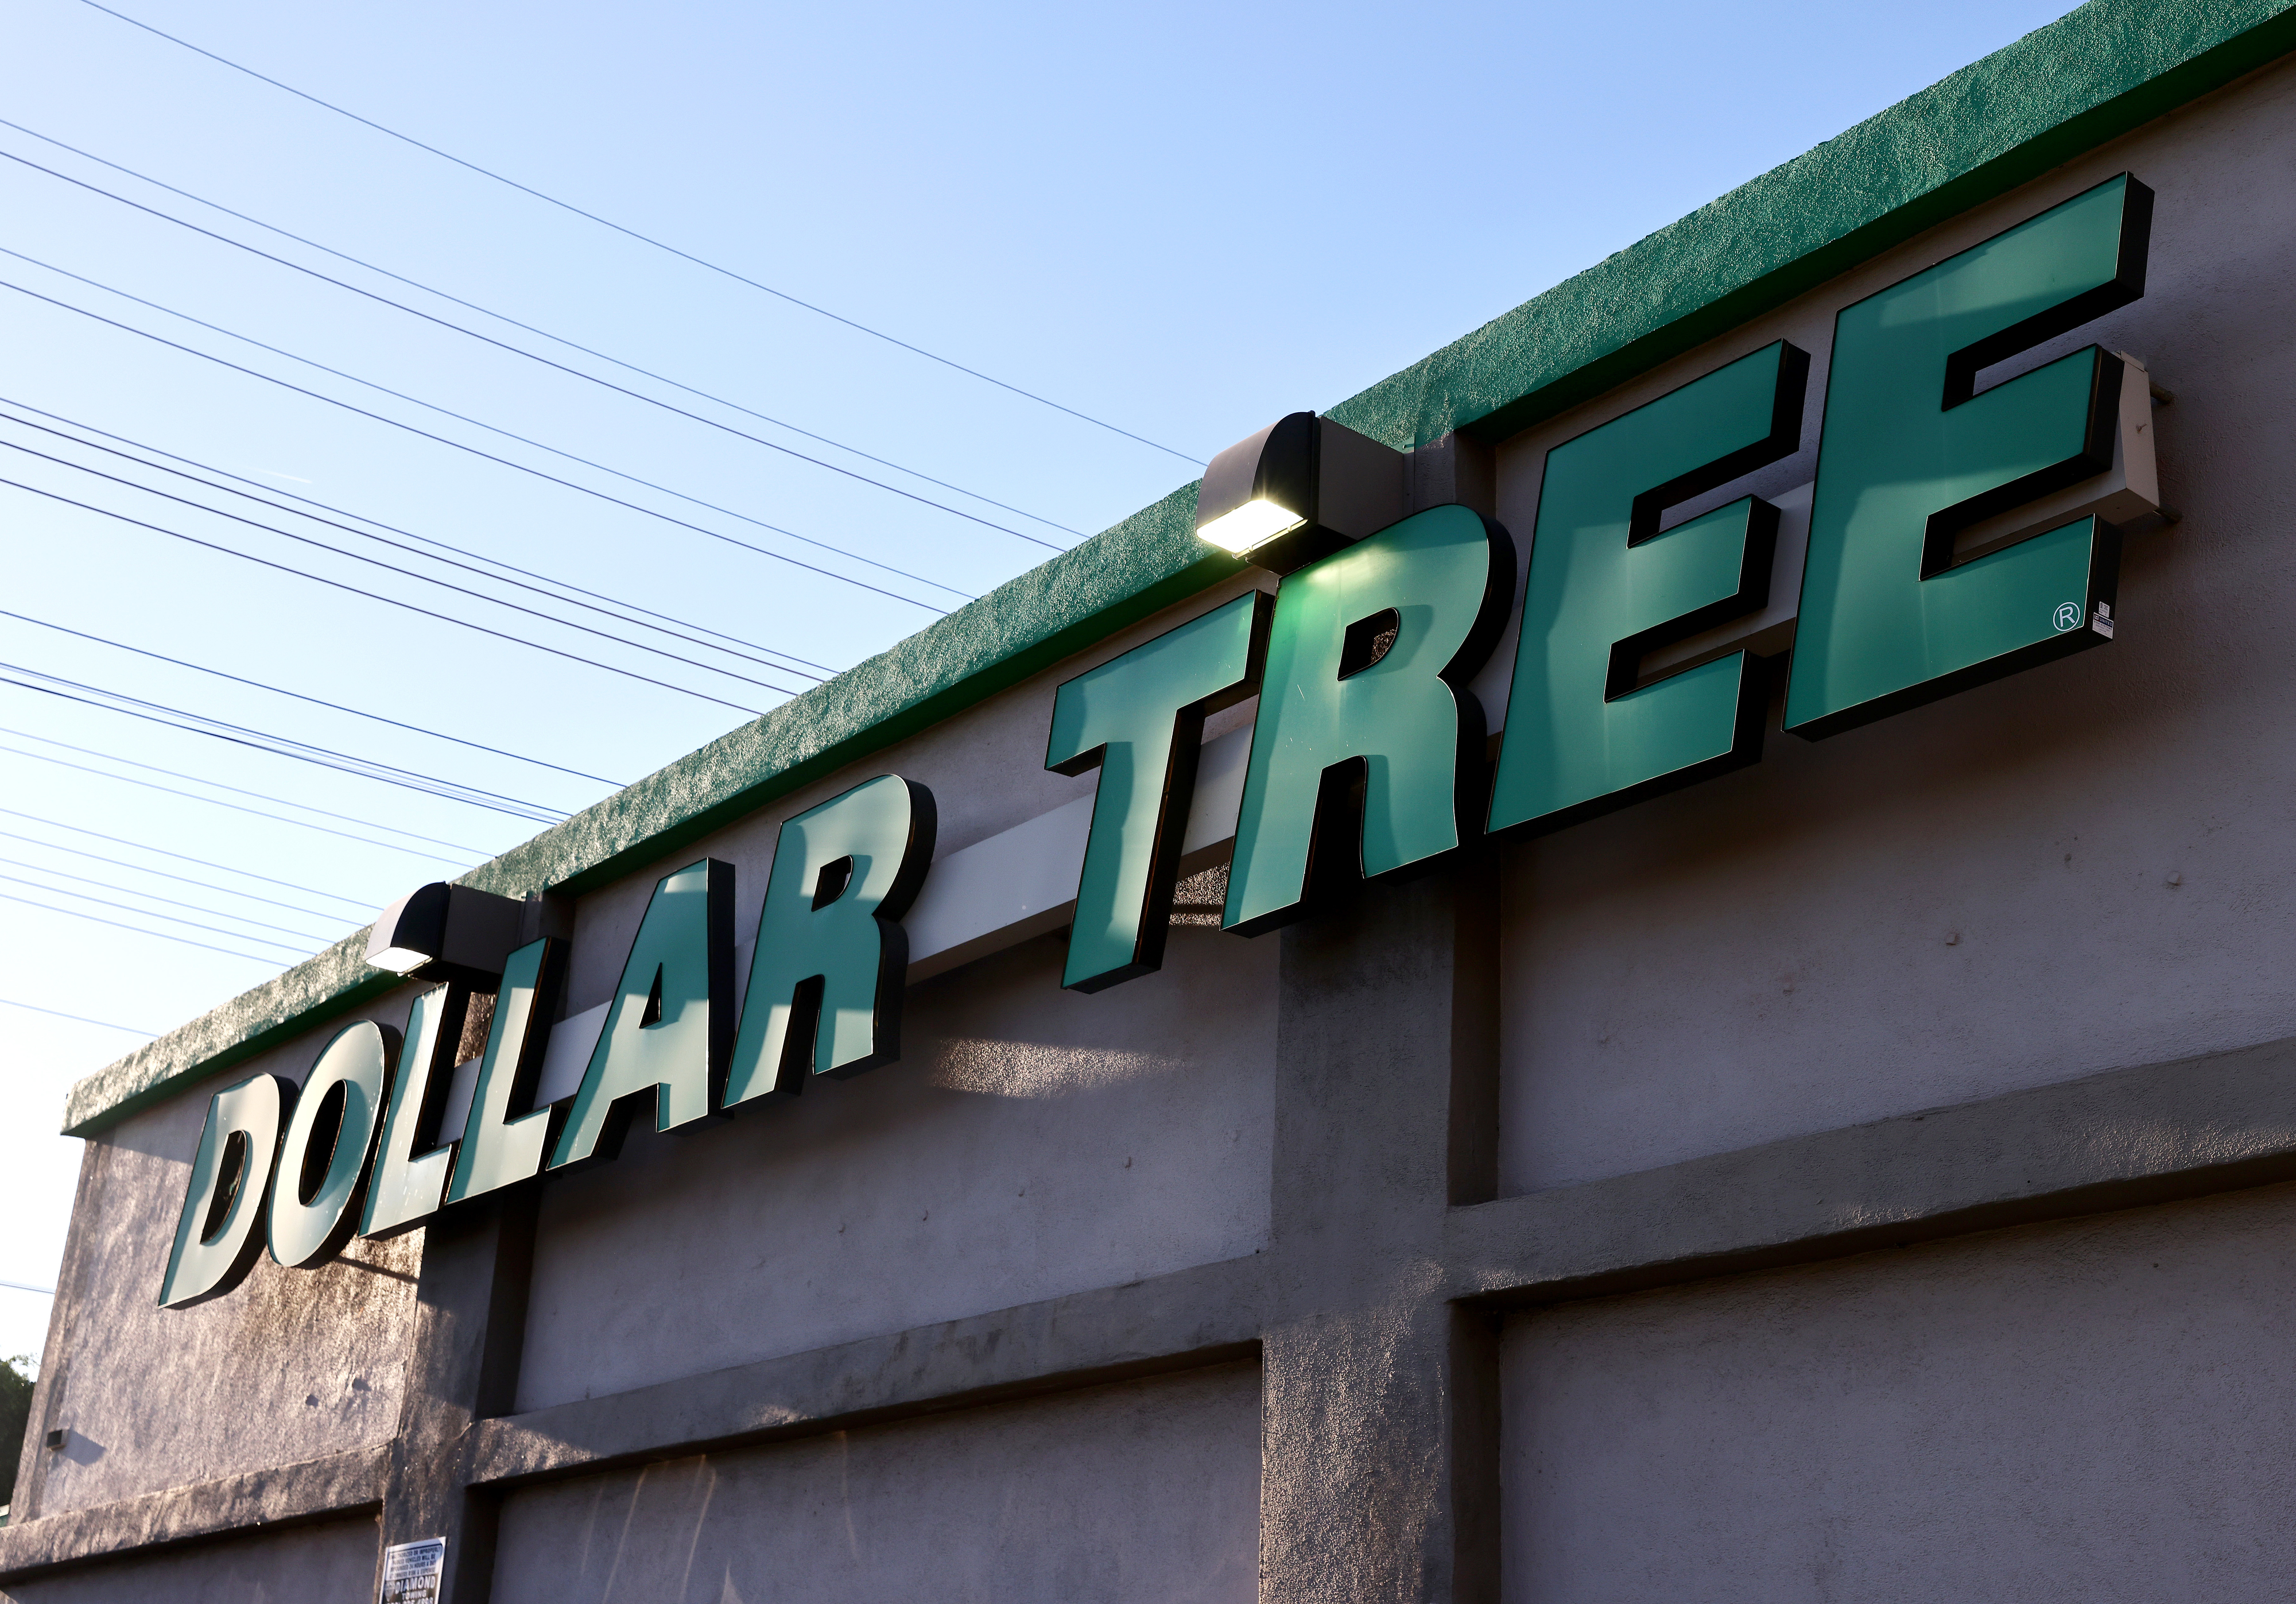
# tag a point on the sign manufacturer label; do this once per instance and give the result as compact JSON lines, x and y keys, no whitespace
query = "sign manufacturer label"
{"x":412,"y":1573}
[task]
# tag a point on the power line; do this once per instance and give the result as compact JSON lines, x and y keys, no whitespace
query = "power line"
{"x":464,"y":445}
{"x":82,"y":1019}
{"x":89,"y":751}
{"x":411,"y":551}
{"x":152,"y":913}
{"x":626,"y":608}
{"x":390,"y":567}
{"x":239,"y":735}
{"x":57,"y":824}
{"x":536,"y":357}
{"x":354,"y":589}
{"x":501,"y":317}
{"x":648,"y":239}
{"x":142,"y":868}
{"x":162,"y":935}
{"x":120,"y":646}
{"x":129,"y":780}
{"x":302,"y":752}
{"x":479,"y":424}
{"x":220,"y":913}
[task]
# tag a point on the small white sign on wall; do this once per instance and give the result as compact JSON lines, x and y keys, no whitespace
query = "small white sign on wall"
{"x":413,"y":1572}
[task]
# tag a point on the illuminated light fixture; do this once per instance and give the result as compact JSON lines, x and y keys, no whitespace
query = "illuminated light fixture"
{"x":444,"y":931}
{"x":1300,"y":490}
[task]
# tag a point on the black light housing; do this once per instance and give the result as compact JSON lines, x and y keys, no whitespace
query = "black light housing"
{"x":1300,"y":490}
{"x":443,"y":932}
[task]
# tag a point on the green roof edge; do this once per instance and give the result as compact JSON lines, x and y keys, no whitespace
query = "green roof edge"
{"x":2083,"y":80}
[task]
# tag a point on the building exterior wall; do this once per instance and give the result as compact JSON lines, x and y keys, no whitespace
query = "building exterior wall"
{"x":1031,"y":1143}
{"x":1976,"y":895}
{"x":2091,"y":1410}
{"x":1145,"y":1490}
{"x":297,"y":1365}
{"x":295,"y":1567}
{"x":1854,"y":1177}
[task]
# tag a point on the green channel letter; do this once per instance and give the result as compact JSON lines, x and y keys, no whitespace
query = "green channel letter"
{"x":406,"y":1186}
{"x":322,"y":1170}
{"x":1911,"y":456}
{"x":1139,"y":719}
{"x":1366,"y":659}
{"x":219,"y":1234}
{"x":670,"y":1029}
{"x":500,"y":1147}
{"x":1606,"y":585}
{"x":831,"y":962}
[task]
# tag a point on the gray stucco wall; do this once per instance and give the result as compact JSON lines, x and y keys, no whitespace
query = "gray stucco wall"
{"x":1031,"y":1142}
{"x":1145,"y":1491}
{"x":1974,"y":896}
{"x":302,"y":1565}
{"x":2097,"y":1411}
{"x":295,"y":1365}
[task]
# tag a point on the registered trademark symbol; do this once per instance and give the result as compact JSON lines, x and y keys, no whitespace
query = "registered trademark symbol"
{"x":2069,"y":616}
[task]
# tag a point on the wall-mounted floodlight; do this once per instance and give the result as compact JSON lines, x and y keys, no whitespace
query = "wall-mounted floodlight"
{"x":444,"y":932}
{"x":1300,"y":490}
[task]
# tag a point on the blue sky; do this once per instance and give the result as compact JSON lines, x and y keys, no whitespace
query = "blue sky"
{"x":1181,"y":220}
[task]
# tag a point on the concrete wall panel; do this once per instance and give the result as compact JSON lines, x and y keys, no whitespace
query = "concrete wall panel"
{"x":2096,"y":1412}
{"x":2084,"y":867}
{"x":293,"y":1365}
{"x":1031,"y":1143}
{"x":1146,"y":1491}
{"x":303,"y":1565}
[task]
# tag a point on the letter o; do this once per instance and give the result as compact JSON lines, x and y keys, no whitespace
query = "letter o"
{"x":323,"y":1162}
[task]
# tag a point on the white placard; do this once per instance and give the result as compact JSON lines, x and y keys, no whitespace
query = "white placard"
{"x":412,"y":1573}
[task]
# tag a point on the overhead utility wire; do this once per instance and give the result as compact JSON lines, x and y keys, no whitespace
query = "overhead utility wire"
{"x":155,"y":897}
{"x":565,"y":624}
{"x":150,"y":913}
{"x":239,"y":735}
{"x":504,"y":318}
{"x":461,"y":551}
{"x":129,"y":780}
{"x":183,"y":941}
{"x":461,"y":446}
{"x":57,"y":824}
{"x":142,"y":868}
{"x":648,"y":239}
{"x":491,"y":428}
{"x":34,"y":1008}
{"x":113,"y":757}
{"x":397,"y":546}
{"x":121,"y":645}
{"x":260,"y":741}
{"x":536,"y":357}
{"x":354,"y":589}
{"x":151,"y":897}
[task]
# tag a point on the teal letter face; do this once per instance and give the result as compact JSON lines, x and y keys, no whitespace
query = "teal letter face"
{"x":1910,"y":457}
{"x":832,"y":963}
{"x":1139,"y":719}
{"x":220,"y":1231}
{"x":407,"y":1186}
{"x":315,"y":1195}
{"x":1606,"y":586}
{"x":671,"y":1025}
{"x":1365,"y":661}
{"x":500,"y":1148}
